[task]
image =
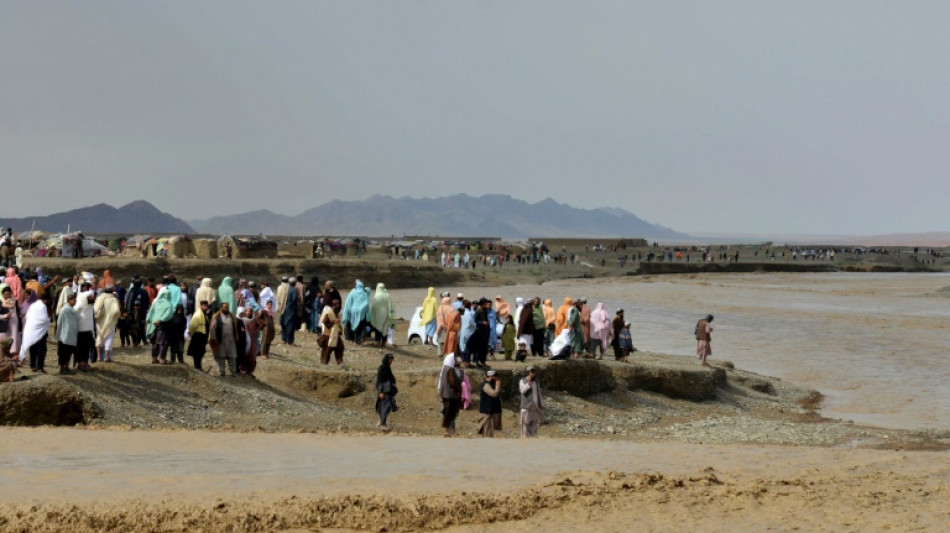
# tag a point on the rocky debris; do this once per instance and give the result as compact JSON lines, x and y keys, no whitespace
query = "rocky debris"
{"x":680,"y":381}
{"x":44,"y":400}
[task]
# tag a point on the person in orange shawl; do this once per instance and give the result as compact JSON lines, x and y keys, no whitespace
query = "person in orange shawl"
{"x":560,"y":322}
{"x":449,"y":324}
{"x":106,"y":279}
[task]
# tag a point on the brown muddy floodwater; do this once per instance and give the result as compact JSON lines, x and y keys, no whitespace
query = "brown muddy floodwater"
{"x":876,"y":345}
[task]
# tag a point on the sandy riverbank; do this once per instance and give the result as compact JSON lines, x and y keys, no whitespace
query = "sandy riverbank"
{"x":200,"y":481}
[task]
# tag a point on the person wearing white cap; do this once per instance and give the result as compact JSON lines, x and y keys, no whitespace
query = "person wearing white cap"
{"x":532,"y":410}
{"x":489,"y":406}
{"x":457,"y":304}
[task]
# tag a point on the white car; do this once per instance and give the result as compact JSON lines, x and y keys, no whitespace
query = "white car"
{"x":417,"y":330}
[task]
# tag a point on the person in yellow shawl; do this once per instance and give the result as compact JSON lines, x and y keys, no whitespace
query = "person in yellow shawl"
{"x":107,"y":312}
{"x":198,"y":330}
{"x":430,"y":306}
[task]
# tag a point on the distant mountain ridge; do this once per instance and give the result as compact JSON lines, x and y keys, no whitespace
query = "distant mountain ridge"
{"x":461,"y":215}
{"x":136,"y":217}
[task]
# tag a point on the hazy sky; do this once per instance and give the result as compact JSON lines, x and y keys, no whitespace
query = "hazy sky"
{"x":754,"y":117}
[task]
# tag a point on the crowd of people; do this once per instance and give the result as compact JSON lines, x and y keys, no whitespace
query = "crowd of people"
{"x":238,"y":322}
{"x":478,"y":329}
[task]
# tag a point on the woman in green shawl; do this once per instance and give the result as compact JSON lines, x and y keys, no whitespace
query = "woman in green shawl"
{"x":226,"y":293}
{"x":382,"y":313}
{"x":576,"y":328}
{"x":158,"y":322}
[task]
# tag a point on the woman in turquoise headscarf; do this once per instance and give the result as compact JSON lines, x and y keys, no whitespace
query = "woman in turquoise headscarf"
{"x":226,"y":294}
{"x":355,"y":312}
{"x":382,"y":313}
{"x":157,"y":325}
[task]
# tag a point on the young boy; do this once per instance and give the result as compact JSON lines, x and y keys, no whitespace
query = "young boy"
{"x":125,"y":329}
{"x":522,"y":354}
{"x":626,"y":343}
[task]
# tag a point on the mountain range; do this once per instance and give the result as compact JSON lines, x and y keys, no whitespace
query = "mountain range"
{"x":136,"y":217}
{"x":452,"y":216}
{"x":460,"y":215}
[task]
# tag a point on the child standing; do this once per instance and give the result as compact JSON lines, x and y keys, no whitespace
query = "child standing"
{"x":626,"y":343}
{"x":125,"y":329}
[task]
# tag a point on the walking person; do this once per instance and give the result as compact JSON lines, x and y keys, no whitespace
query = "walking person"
{"x":532,"y":410}
{"x":386,"y":391}
{"x":450,"y":392}
{"x":107,"y":312}
{"x":223,"y":339}
{"x":333,"y":329}
{"x":704,"y":339}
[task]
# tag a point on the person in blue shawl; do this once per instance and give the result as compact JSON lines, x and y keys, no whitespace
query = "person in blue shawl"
{"x":468,"y":329}
{"x":288,"y":319}
{"x":356,"y":313}
{"x":226,"y":293}
{"x":492,"y":331}
{"x":158,"y":325}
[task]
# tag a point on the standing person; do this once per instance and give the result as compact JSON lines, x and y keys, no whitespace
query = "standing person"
{"x":267,"y":295}
{"x":334,"y":330}
{"x":67,"y":332}
{"x":177,"y":326}
{"x":450,"y":392}
{"x":560,"y":321}
{"x":382,"y":313}
{"x":430,"y":306}
{"x":704,"y":339}
{"x":312,"y":305}
{"x":450,"y":324}
{"x":489,"y":406}
{"x":288,"y":318}
{"x":10,"y":318}
{"x":618,"y":325}
{"x":226,"y":293}
{"x":206,"y":293}
{"x":467,"y":331}
{"x":385,"y":391}
{"x":157,"y":326}
{"x":601,"y":331}
{"x":223,"y":339}
{"x":252,"y":325}
{"x":282,"y":290}
{"x":107,"y":313}
{"x":355,"y":313}
{"x":267,"y":328}
{"x":35,"y":330}
{"x":577,"y":329}
{"x":550,"y":317}
{"x":625,"y":341}
{"x":525,"y":322}
{"x":540,"y":326}
{"x":86,"y":346}
{"x":585,"y":322}
{"x":198,"y":329}
{"x":532,"y":410}
{"x":330,"y":293}
{"x":479,"y":341}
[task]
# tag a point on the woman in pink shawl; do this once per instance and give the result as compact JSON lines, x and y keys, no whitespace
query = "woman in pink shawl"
{"x":15,"y":283}
{"x":601,"y":330}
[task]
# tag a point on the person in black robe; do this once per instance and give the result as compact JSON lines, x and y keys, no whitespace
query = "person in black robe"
{"x":386,"y":391}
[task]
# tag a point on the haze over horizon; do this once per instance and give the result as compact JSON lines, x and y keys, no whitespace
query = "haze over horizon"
{"x":743,"y":117}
